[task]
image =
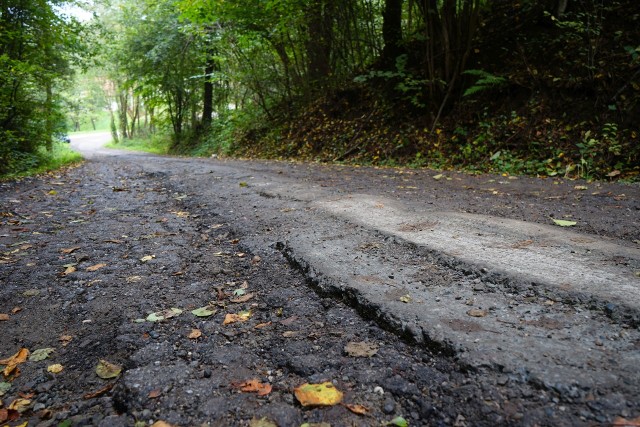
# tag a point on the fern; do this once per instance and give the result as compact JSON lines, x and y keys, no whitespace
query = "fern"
{"x":485,"y":81}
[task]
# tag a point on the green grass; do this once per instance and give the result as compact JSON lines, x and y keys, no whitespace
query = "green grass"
{"x":156,"y":144}
{"x":43,"y":161}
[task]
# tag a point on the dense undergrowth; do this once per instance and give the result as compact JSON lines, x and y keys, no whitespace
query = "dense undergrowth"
{"x":553,"y":98}
{"x":26,"y":164}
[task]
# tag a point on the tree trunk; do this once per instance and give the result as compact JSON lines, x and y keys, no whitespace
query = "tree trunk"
{"x":207,"y":108}
{"x":319,"y":42}
{"x":391,"y":30}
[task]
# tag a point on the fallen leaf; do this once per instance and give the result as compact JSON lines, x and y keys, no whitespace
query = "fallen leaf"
{"x":13,"y":361}
{"x":133,"y":279}
{"x":4,"y":415}
{"x":474,"y":312}
{"x":263,"y":325}
{"x":398,"y":421}
{"x":623,"y":422}
{"x":195,"y":334}
{"x":16,"y":310}
{"x":239,"y":292}
{"x":289,"y":334}
{"x":52,"y":193}
{"x":581,"y":187}
{"x":96,"y":267}
{"x":164,"y":314}
{"x":4,"y":317}
{"x":325,"y":394}
{"x":155,"y":393}
{"x":40,"y":354}
{"x":114,"y":241}
{"x":243,"y":298}
{"x":438,"y":177}
{"x":70,"y":250}
{"x":405,"y":298}
{"x":563,"y":223}
{"x":360,"y":349}
{"x":356,"y":409}
{"x":106,"y":370}
{"x":31,"y":293}
{"x":55,"y":369}
{"x":65,"y":340}
{"x":68,"y":271}
{"x":161,"y":424}
{"x":20,"y":405}
{"x":147,"y":258}
{"x":262,"y":422}
{"x":243,"y":184}
{"x":315,"y":425}
{"x":256,"y":260}
{"x":204,"y":311}
{"x":100,"y":392}
{"x":243,"y":316}
{"x":254,"y":386}
{"x":4,"y":388}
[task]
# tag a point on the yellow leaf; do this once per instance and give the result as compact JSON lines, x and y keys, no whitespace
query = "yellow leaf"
{"x":19,"y":405}
{"x":325,"y":394}
{"x":55,"y":369}
{"x":147,"y":258}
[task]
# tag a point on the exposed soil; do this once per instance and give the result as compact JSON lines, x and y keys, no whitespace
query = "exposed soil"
{"x":164,"y":248}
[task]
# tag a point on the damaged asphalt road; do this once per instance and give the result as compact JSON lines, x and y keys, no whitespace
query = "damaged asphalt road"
{"x":467,"y":304}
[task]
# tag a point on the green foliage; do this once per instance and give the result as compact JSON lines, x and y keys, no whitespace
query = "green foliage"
{"x":155,"y":144}
{"x":485,"y":81}
{"x":42,"y":160}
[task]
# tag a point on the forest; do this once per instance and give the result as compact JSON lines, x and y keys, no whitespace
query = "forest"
{"x":539,"y":87}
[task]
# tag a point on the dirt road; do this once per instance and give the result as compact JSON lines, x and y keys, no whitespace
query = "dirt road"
{"x":441,"y":298}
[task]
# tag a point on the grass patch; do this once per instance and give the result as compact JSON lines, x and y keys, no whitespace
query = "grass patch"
{"x":43,"y":161}
{"x":156,"y":144}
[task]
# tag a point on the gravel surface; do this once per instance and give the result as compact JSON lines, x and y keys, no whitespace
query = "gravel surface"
{"x":87,"y":255}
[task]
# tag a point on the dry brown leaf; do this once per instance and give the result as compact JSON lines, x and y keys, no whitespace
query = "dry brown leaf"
{"x":68,"y":271}
{"x":289,"y":334}
{"x":356,"y":409}
{"x":4,"y":317}
{"x":162,"y":424}
{"x":114,"y":241}
{"x":13,"y":361}
{"x":234,"y":318}
{"x":622,"y":422}
{"x":254,"y":386}
{"x":100,"y":392}
{"x":263,"y":325}
{"x":155,"y":394}
{"x":65,"y":340}
{"x":243,"y":298}
{"x":4,"y":415}
{"x":15,"y":310}
{"x":360,"y":349}
{"x":96,"y":267}
{"x":474,"y":312}
{"x":195,"y":334}
{"x":70,"y":250}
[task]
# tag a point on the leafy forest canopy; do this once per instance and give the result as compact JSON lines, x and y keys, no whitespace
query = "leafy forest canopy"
{"x":545,"y":87}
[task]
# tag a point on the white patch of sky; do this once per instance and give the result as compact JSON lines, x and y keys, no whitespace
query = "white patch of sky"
{"x":74,"y":11}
